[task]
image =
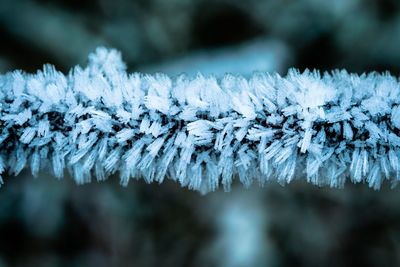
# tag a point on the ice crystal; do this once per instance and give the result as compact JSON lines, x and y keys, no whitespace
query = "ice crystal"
{"x":201,"y":131}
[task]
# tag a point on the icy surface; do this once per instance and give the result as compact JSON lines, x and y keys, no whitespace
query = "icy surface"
{"x":201,"y":131}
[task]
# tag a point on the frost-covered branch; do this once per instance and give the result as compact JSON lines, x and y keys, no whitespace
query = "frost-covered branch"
{"x":201,"y":131}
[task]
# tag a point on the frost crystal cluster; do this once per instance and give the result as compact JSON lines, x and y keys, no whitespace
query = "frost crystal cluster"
{"x":200,"y":131}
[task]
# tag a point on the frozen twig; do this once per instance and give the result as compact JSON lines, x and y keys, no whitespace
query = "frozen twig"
{"x":201,"y":131}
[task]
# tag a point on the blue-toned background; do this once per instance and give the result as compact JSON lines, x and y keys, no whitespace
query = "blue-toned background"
{"x":46,"y":222}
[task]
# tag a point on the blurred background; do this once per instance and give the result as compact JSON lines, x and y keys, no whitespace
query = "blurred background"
{"x":46,"y":222}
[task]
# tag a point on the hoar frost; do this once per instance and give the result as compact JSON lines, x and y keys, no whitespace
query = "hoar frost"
{"x":201,"y":131}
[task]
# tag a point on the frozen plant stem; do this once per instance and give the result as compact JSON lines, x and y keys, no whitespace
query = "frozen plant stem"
{"x":201,"y":131}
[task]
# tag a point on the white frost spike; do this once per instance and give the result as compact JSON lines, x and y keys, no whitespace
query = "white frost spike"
{"x":124,"y":135}
{"x":375,"y":177}
{"x":43,"y":128}
{"x":111,"y":161}
{"x":35,"y":163}
{"x":83,"y":147}
{"x":347,"y":131}
{"x":243,"y":104}
{"x":385,"y":166}
{"x":313,"y":165}
{"x":28,"y":134}
{"x":58,"y":164}
{"x":170,"y":152}
{"x":23,"y":117}
{"x":133,"y":155}
{"x":395,"y":118}
{"x":306,"y":141}
{"x":394,"y":160}
{"x":272,"y":150}
{"x":287,"y":173}
{"x":200,"y":131}
{"x":283,"y":155}
{"x":153,"y":149}
{"x":158,"y":95}
{"x":365,"y":163}
{"x":356,"y":165}
{"x":309,"y":90}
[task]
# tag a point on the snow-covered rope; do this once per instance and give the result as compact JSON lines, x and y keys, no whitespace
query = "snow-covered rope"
{"x":201,"y":131}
